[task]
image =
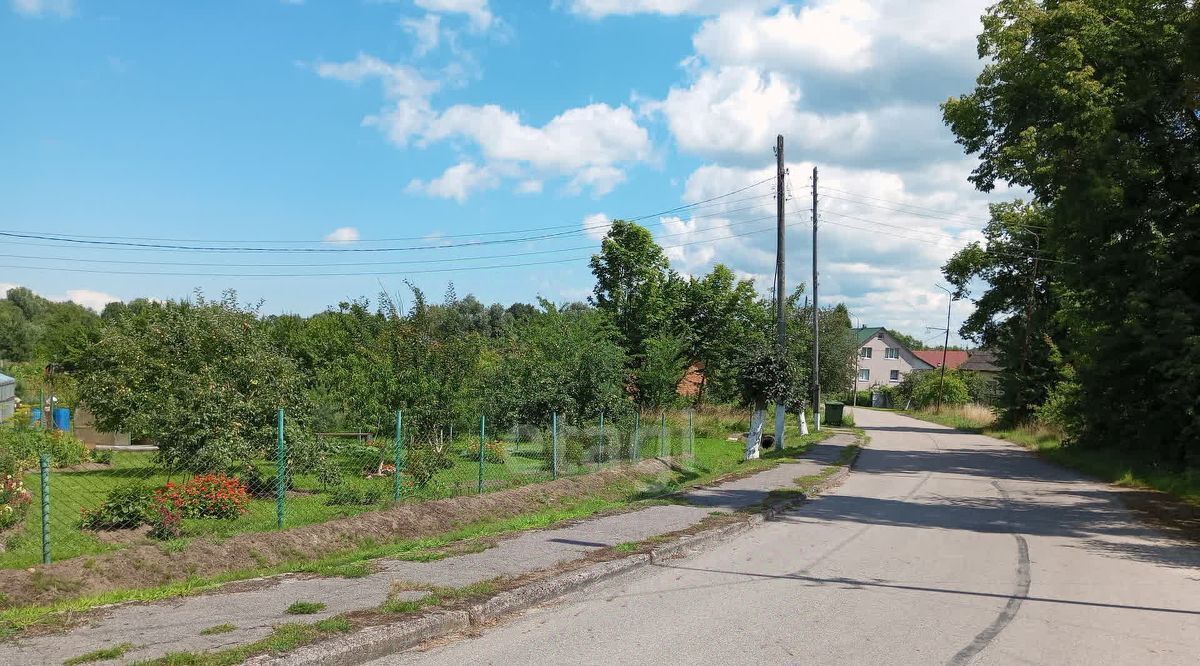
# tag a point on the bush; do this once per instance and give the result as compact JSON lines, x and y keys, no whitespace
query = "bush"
{"x":125,"y":507}
{"x":14,"y":500}
{"x":101,"y":457}
{"x":571,"y":446}
{"x":422,"y":461}
{"x":25,"y":444}
{"x":205,"y":496}
{"x":347,"y":495}
{"x":493,"y":452}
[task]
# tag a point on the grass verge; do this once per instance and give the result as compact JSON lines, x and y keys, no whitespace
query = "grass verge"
{"x":104,"y":654}
{"x":218,"y":629}
{"x":1120,"y":468}
{"x":714,"y":458}
{"x":285,"y":637}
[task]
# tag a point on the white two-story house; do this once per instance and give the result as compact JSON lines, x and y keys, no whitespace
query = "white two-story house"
{"x":882,"y":359}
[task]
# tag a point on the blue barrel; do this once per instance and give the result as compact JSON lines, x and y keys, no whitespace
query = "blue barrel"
{"x":62,"y":418}
{"x":35,"y":416}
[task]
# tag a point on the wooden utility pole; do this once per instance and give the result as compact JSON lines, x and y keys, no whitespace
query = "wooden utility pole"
{"x":780,"y":284}
{"x":945,"y":345}
{"x":816,"y":369}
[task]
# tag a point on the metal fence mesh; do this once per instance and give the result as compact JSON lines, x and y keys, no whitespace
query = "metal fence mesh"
{"x":109,"y":496}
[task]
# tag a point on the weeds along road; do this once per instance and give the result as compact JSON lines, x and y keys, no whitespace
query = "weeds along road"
{"x":941,"y":548}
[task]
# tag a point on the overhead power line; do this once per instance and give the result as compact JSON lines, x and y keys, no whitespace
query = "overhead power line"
{"x":371,"y":273}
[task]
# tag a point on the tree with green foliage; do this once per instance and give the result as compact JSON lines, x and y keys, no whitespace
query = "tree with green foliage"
{"x":202,"y":379}
{"x":1015,"y":315}
{"x":633,"y":281}
{"x":718,"y":315}
{"x":909,"y":341}
{"x":561,"y":360}
{"x":663,"y":367}
{"x":1092,"y":105}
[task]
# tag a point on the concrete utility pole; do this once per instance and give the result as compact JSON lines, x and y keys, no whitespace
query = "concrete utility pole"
{"x":816,"y":371}
{"x":780,"y":290}
{"x":945,"y":345}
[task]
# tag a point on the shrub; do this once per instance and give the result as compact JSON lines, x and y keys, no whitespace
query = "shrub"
{"x":125,"y":507}
{"x":571,"y":445}
{"x":422,"y":461}
{"x":25,"y":444}
{"x":493,"y":452}
{"x":14,"y":500}
{"x":346,"y":495}
{"x":206,"y":496}
{"x":165,"y":522}
{"x":101,"y":457}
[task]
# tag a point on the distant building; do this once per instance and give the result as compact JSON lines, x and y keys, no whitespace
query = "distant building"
{"x":883,"y":360}
{"x":981,"y":360}
{"x":954,"y":358}
{"x":8,"y":397}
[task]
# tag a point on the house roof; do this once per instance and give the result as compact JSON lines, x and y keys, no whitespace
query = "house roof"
{"x":981,"y":361}
{"x":866,"y":333}
{"x":933,"y":357}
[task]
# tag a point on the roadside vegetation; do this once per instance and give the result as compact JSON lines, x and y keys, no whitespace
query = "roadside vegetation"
{"x":1120,"y":467}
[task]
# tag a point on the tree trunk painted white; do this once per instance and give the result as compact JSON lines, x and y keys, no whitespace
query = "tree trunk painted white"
{"x":803,"y":423}
{"x":754,"y":439}
{"x":780,"y":424}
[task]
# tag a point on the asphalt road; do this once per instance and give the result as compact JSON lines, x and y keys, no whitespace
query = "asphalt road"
{"x":941,"y":548}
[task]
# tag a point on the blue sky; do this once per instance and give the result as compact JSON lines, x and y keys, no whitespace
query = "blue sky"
{"x":337,"y":125}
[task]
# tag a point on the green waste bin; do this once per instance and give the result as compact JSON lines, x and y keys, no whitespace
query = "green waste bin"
{"x":833,"y":413}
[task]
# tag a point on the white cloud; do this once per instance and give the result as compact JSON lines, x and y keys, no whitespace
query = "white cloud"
{"x":88,"y":298}
{"x":600,"y":179}
{"x":425,"y":30}
{"x":476,"y":10}
{"x":602,"y":8}
{"x":596,"y":226}
{"x":593,"y":135}
{"x":398,"y":80}
{"x":589,"y":144}
{"x":829,"y":34}
{"x":62,"y":8}
{"x":342,"y":235}
{"x":458,"y":182}
{"x":529,"y":186}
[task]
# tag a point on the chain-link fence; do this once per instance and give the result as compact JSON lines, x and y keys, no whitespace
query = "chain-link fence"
{"x":63,"y":500}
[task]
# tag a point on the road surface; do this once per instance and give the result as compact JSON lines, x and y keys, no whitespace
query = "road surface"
{"x":941,"y":548}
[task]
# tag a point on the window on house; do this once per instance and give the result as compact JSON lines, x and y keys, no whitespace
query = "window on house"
{"x":895,"y":375}
{"x":865,"y":352}
{"x":891,"y":352}
{"x":864,"y":375}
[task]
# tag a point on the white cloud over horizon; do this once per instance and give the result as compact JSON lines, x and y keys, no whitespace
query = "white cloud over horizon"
{"x":342,"y":235}
{"x":35,"y":8}
{"x":88,"y":298}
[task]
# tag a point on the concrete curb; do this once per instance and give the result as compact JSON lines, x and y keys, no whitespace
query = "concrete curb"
{"x":528,"y":596}
{"x":383,"y":640}
{"x":371,"y":642}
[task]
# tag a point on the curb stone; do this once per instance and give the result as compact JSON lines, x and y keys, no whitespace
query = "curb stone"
{"x":371,"y":642}
{"x":383,"y":640}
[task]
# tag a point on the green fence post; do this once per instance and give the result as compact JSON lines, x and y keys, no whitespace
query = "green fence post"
{"x":601,"y":457}
{"x":664,"y":448}
{"x":554,"y":444}
{"x":280,"y":473}
{"x":482,"y":436}
{"x":397,"y":483}
{"x":635,"y":448}
{"x":45,"y":465}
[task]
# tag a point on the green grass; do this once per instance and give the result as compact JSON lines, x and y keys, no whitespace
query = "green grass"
{"x":114,"y":652}
{"x":438,"y":596}
{"x":285,"y":638}
{"x":218,"y":629}
{"x":305,"y":608}
{"x":713,"y":457}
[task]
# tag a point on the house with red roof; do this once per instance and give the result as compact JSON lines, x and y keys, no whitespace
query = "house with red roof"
{"x":954,"y":357}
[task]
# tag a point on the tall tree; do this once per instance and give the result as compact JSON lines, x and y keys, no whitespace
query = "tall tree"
{"x":632,"y":276}
{"x":1094,"y":107}
{"x":719,"y":315}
